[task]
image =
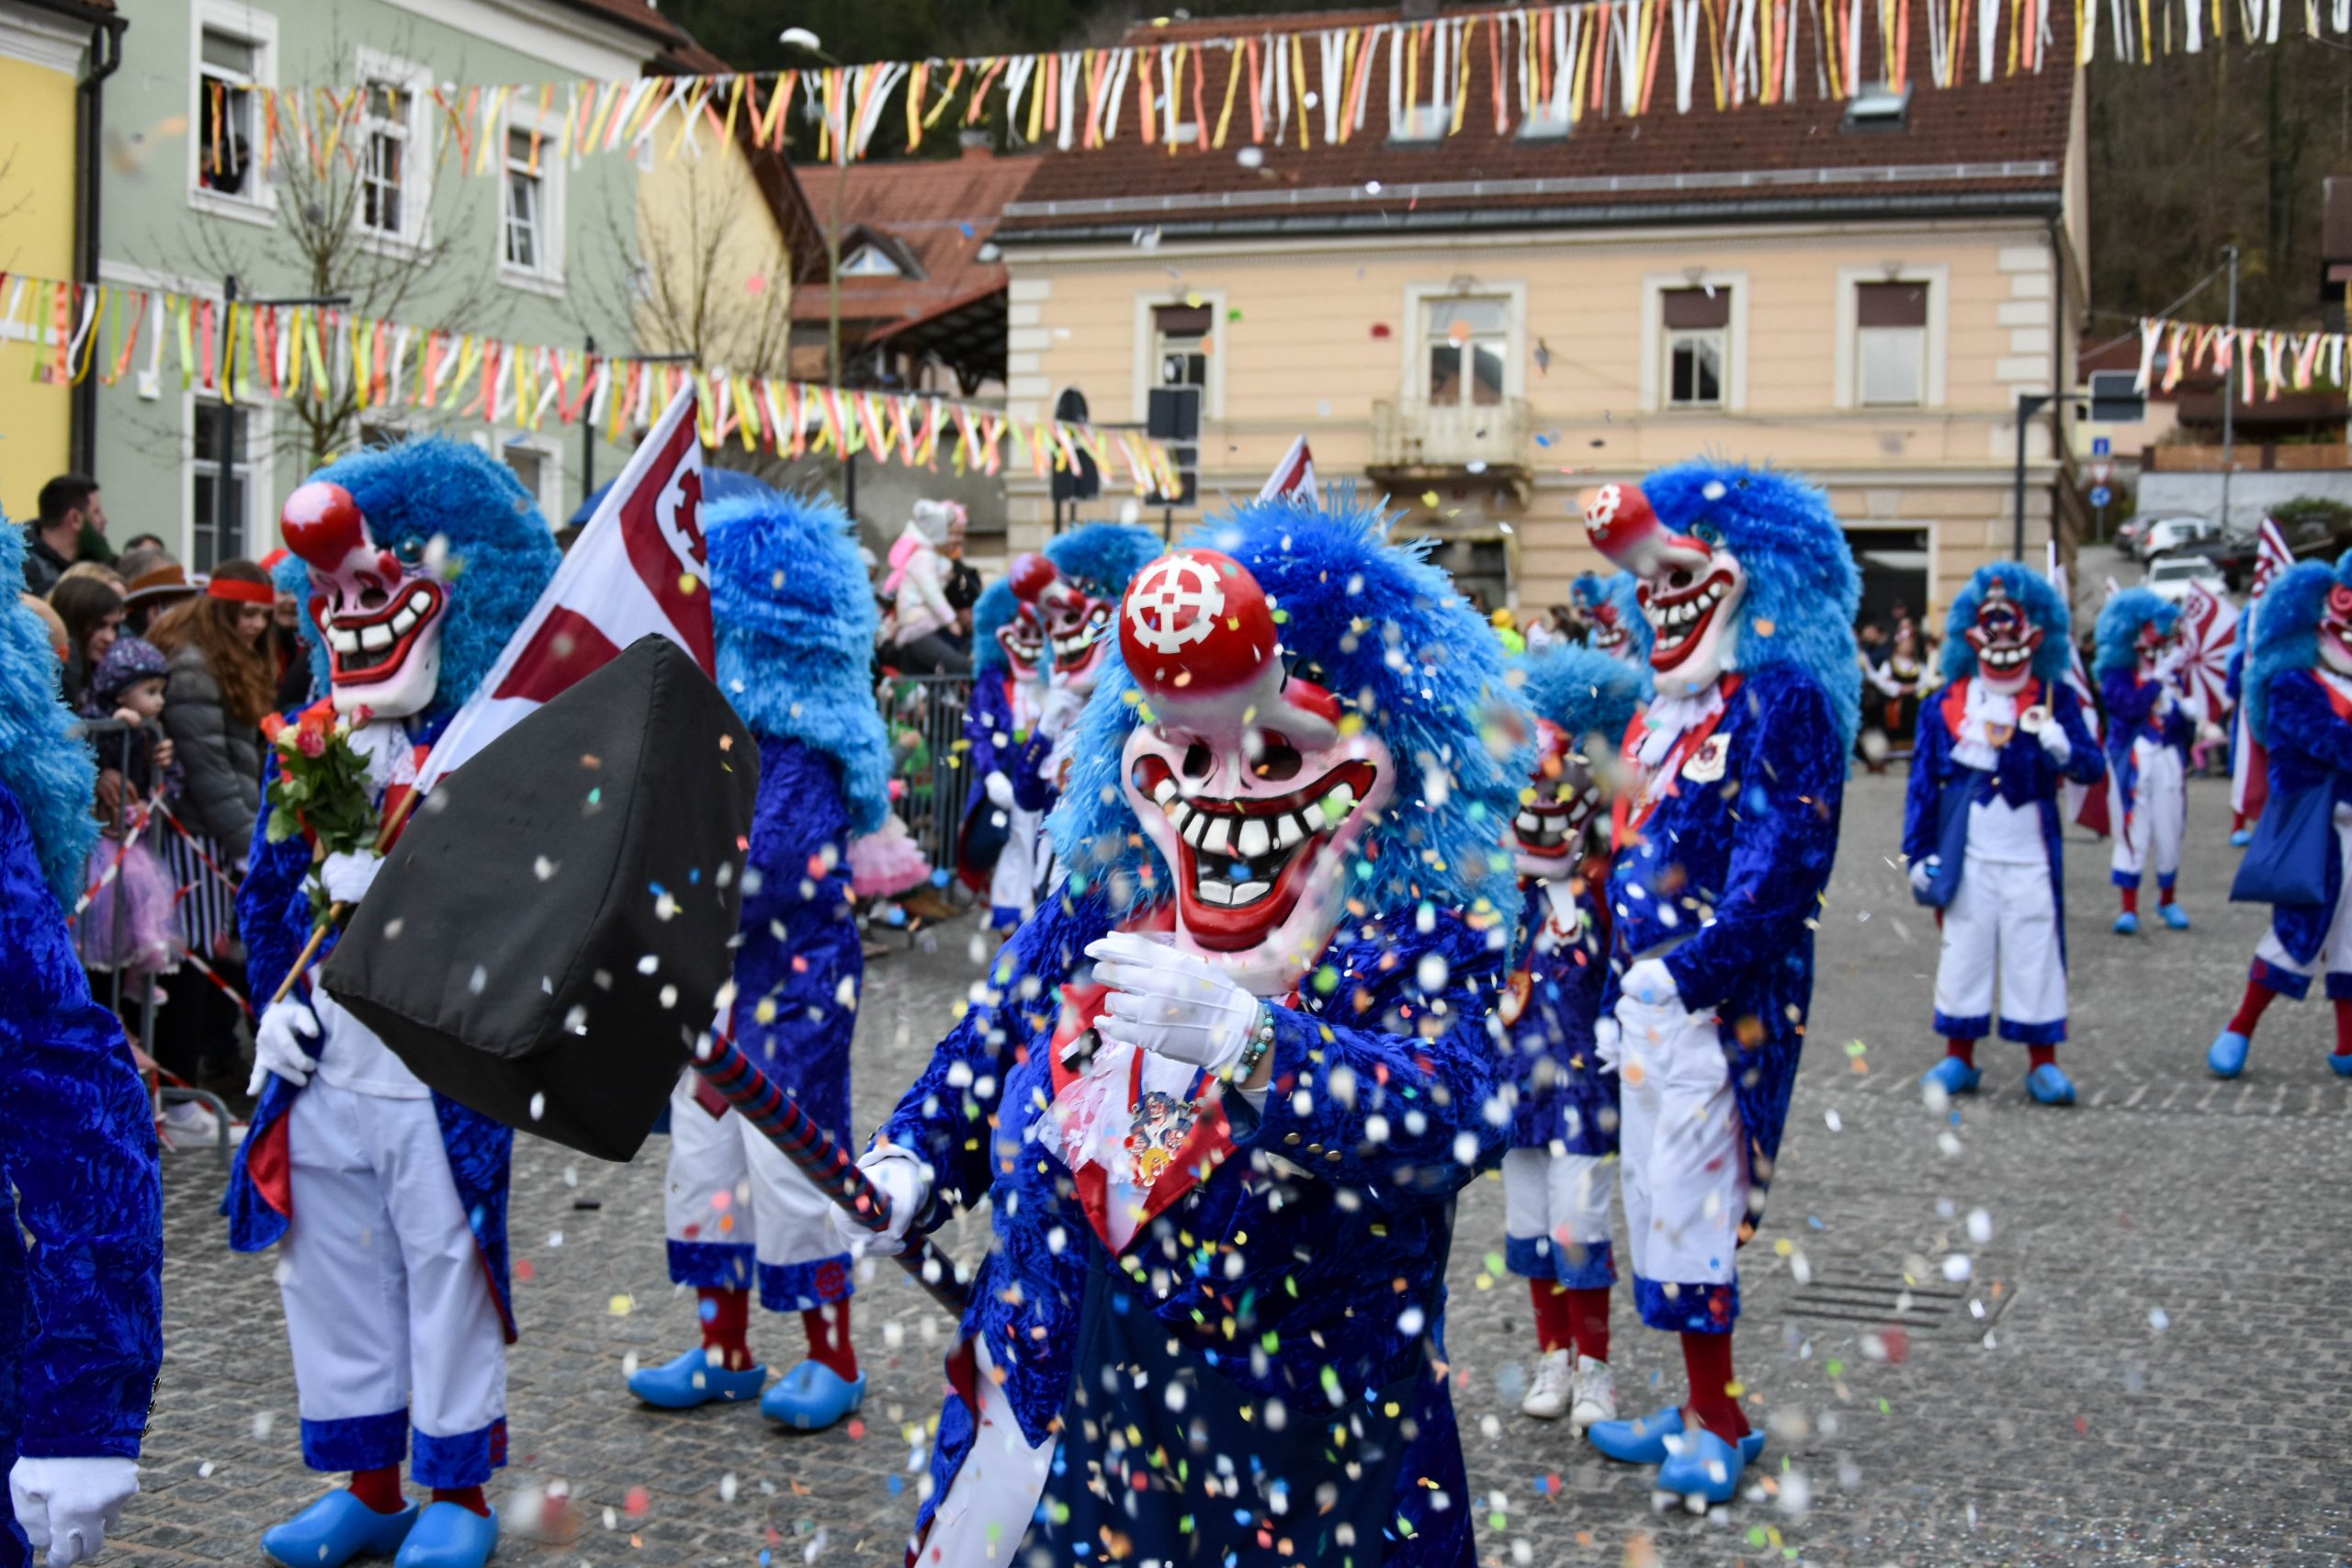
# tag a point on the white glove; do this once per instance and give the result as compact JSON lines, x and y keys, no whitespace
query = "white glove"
{"x":68,"y":1505}
{"x":999,"y":790}
{"x":1923,"y":871}
{"x":2052,"y":736}
{"x":1060,"y":710}
{"x":1170,"y":1003}
{"x":1651,"y":983}
{"x":283,"y":1042}
{"x":898,"y":1175}
{"x":347,"y":876}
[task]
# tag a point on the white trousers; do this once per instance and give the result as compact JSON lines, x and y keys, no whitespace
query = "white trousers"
{"x":1013,"y":885}
{"x":988,"y":1504}
{"x":1556,"y":1215}
{"x":2002,"y":923}
{"x":2158,"y":816}
{"x":387,"y":1306}
{"x":1680,"y":1141}
{"x":730,"y":1187}
{"x":2336,"y":948}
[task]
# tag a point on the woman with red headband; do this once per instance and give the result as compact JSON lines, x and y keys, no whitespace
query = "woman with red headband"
{"x":219,"y":688}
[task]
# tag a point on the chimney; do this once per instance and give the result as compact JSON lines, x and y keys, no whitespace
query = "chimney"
{"x":976,"y":142}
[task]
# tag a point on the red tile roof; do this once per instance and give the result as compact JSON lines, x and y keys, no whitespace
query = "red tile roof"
{"x":1978,"y":147}
{"x":940,"y":212}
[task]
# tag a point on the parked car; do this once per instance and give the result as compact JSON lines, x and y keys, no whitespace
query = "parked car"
{"x":2127,"y":535}
{"x":2166,"y":534}
{"x":2170,"y":576}
{"x":2232,"y":554}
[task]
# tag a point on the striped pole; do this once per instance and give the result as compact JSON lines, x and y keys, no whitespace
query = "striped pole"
{"x":826,"y":1163}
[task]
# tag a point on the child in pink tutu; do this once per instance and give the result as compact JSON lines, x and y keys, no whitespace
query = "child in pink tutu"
{"x":130,"y":922}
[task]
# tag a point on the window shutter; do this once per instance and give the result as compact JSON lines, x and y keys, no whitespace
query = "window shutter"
{"x":1689,"y":308}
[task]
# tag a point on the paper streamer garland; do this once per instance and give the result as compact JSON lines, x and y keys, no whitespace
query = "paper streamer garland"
{"x":284,"y":352}
{"x":2265,"y":361}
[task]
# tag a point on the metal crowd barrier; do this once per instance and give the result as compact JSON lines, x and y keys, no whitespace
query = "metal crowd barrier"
{"x":924,"y":716}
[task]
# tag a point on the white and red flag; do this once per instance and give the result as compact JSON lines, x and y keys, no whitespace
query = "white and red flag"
{"x":1294,"y":476}
{"x":2084,"y":806}
{"x":2249,"y":765}
{"x":638,"y":569}
{"x":2208,"y":635}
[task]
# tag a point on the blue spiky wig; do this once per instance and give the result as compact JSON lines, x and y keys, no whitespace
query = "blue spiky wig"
{"x":796,"y":624}
{"x":2286,"y":632}
{"x":2118,"y":627}
{"x":44,"y":762}
{"x":500,"y":553}
{"x":1803,"y":590}
{"x":989,"y":613}
{"x":1590,"y":589}
{"x":1579,"y":689}
{"x":292,"y":575}
{"x":1103,"y":557}
{"x":2032,"y":593}
{"x":1386,"y":633}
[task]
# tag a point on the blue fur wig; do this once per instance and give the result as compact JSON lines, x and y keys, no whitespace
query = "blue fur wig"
{"x":1579,"y":689}
{"x":1103,"y":557}
{"x":2119,"y":628}
{"x":44,"y":762}
{"x":2033,"y":595}
{"x":1590,"y":589}
{"x":1386,"y":633}
{"x":993,"y":609}
{"x":2286,"y":632}
{"x":1803,"y":590}
{"x":796,"y":635}
{"x":500,"y":553}
{"x":292,"y":575}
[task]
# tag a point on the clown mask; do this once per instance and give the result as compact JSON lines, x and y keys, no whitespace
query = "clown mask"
{"x":1609,"y":636}
{"x":2335,"y":630}
{"x":1252,"y":785}
{"x":1558,"y":807}
{"x":2155,"y":645}
{"x":1078,"y":629}
{"x":2005,"y":640}
{"x":1023,"y":636}
{"x":1689,"y":586}
{"x":379,"y":610}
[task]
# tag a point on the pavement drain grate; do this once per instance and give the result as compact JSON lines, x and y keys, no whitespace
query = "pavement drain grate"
{"x":1877,"y":1301}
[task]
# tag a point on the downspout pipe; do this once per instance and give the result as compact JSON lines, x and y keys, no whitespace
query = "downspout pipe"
{"x":106,"y":59}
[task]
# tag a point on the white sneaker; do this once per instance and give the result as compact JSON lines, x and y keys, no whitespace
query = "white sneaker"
{"x":187,"y":1119}
{"x":1595,"y":1394}
{"x":1547,"y":1397}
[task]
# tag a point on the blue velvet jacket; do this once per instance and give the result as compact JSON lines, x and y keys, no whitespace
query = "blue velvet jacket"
{"x":1560,"y":1093}
{"x":81,"y":1313}
{"x":1373,"y":1118}
{"x":1734,"y":869}
{"x":990,"y":744}
{"x":2025,"y":773}
{"x":2134,"y":714}
{"x":2311,"y":748}
{"x":1026,"y":764}
{"x":274,"y":917}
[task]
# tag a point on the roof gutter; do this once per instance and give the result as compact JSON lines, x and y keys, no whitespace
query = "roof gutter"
{"x":106,"y":59}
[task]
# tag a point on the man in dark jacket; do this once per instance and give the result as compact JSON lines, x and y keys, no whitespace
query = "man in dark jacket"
{"x":68,"y":503}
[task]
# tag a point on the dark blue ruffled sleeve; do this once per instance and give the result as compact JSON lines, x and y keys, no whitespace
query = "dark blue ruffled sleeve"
{"x":2087,"y":764}
{"x":81,"y":1310}
{"x":1923,"y":796}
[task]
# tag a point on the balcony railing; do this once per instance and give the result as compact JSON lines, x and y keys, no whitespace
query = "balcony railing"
{"x":2249,"y":457}
{"x":1442,"y":439}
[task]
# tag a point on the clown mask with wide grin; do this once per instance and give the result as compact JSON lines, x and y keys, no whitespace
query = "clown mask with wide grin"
{"x":1689,"y":584}
{"x":2005,"y":639}
{"x":1023,"y":636}
{"x":2154,"y":645}
{"x":1254,"y":785}
{"x":2335,"y":630}
{"x":1609,"y":635}
{"x":1558,"y":807}
{"x":379,"y":610}
{"x":1077,"y":629}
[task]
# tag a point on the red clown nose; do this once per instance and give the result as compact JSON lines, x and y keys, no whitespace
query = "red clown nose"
{"x":1031,"y":574}
{"x":1621,"y":524}
{"x":1196,"y":626}
{"x":322,"y":524}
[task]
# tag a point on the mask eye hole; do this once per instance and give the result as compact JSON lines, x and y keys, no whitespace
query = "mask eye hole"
{"x":1196,"y":760}
{"x":1277,"y":759}
{"x":1708,"y":535}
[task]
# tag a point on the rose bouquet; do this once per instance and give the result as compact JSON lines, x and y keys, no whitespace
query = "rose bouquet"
{"x":321,"y":786}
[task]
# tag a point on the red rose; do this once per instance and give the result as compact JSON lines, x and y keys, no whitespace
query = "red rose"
{"x":313,"y":742}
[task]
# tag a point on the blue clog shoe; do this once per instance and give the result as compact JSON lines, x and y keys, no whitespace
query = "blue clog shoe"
{"x":1704,"y":1471}
{"x":2241,"y":838}
{"x":333,"y":1530}
{"x":2049,"y":1086}
{"x":1953,"y":1075}
{"x":2126,"y":924}
{"x":2174,"y":916}
{"x":811,"y":1397}
{"x":1642,"y":1438}
{"x":448,"y":1535}
{"x":690,"y":1379}
{"x":2341,"y":1064}
{"x":2227,"y":1059}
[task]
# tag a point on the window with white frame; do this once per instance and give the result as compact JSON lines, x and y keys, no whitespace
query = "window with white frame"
{"x":536,"y":464}
{"x":394,"y":162}
{"x":1695,"y":345}
{"x":870,"y":261}
{"x":1891,"y":345}
{"x":1424,"y":123}
{"x":1180,"y":346}
{"x":217,"y":534}
{"x":531,"y":216}
{"x":230,"y":66}
{"x":1467,"y":347}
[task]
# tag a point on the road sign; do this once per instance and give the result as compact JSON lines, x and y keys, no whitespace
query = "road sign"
{"x":2102,"y":472}
{"x":2101,"y":446}
{"x":2101,"y":495}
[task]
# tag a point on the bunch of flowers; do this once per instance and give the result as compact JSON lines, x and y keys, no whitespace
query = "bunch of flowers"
{"x":321,"y":786}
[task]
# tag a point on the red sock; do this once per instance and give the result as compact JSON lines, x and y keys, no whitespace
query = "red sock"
{"x":2130,"y":900}
{"x":2237,"y":822}
{"x":2164,"y":893}
{"x":725,"y":1320}
{"x":828,"y":1329}
{"x":1964,"y":1049}
{"x":2344,"y":1026}
{"x":467,"y":1497}
{"x":2041,"y":1057}
{"x":379,"y":1489}
{"x":1707,"y":1358}
{"x":1555,"y":1327}
{"x":2258,"y":996}
{"x":1588,"y":1311}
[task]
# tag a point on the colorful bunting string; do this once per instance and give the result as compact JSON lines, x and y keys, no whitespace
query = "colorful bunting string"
{"x":287,"y":351}
{"x":2265,"y":361}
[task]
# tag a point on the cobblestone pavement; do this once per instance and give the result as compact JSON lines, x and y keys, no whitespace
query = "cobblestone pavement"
{"x":2147,"y":1358}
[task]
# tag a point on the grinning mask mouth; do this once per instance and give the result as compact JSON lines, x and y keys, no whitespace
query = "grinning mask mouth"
{"x":380,"y":610}
{"x":1689,"y":584}
{"x":1024,"y":641}
{"x":2335,"y":630}
{"x":2005,"y":639}
{"x":1077,"y":627}
{"x":1559,"y":805}
{"x":2154,"y":644}
{"x":1252,"y":785}
{"x":1609,"y":635}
